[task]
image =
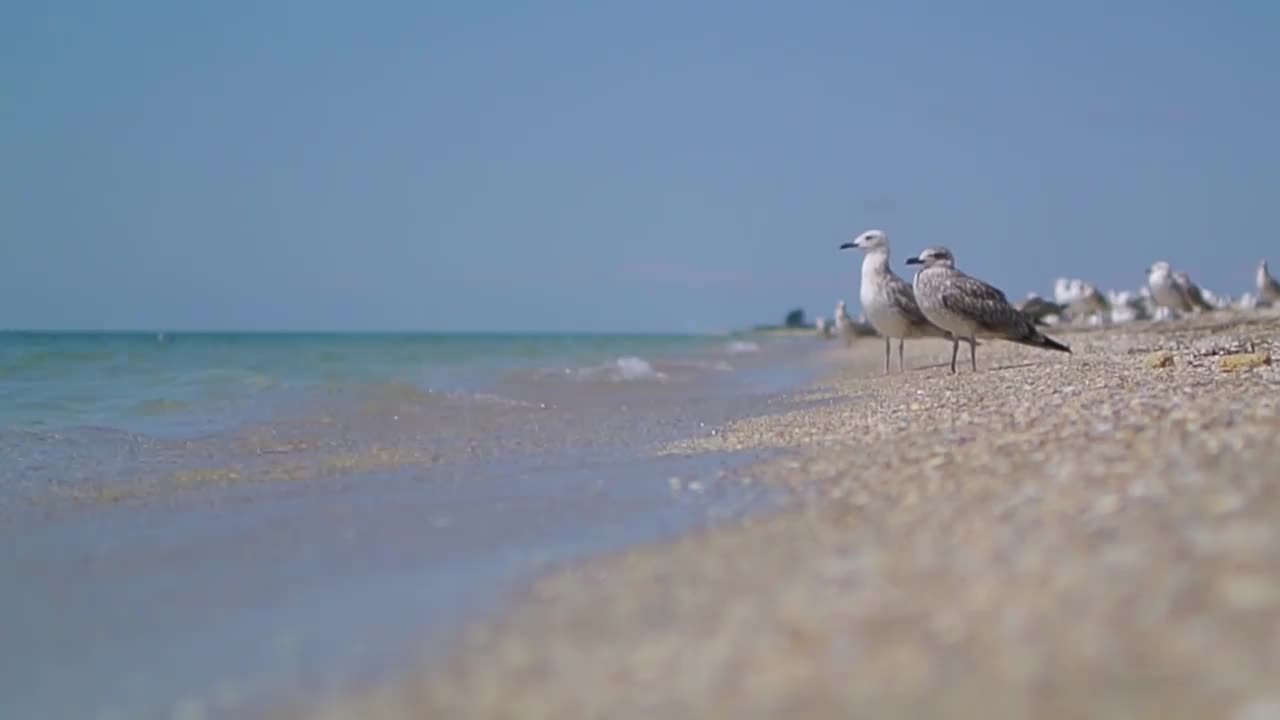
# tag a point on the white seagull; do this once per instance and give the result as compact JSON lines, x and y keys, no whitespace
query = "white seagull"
{"x":1175,"y":290}
{"x":888,"y":300}
{"x":1268,"y":288}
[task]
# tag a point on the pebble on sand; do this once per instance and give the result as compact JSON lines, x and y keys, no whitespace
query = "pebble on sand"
{"x":1243,"y":361}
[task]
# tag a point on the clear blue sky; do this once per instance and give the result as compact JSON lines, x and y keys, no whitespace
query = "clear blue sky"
{"x":600,"y":166}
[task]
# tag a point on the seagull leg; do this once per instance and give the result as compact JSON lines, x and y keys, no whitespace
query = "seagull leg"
{"x":886,"y":354}
{"x":901,"y":367}
{"x":955,"y":348}
{"x":973,"y":353}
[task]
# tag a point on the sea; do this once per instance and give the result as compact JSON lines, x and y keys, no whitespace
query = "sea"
{"x":215,"y":524}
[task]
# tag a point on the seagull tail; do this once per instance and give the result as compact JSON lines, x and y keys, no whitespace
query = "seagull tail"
{"x":1049,"y":343}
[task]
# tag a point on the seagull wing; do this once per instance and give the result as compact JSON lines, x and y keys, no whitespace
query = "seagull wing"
{"x":1267,"y":285}
{"x":987,"y":305}
{"x":903,"y":298}
{"x":1197,"y":297}
{"x":1191,"y":292}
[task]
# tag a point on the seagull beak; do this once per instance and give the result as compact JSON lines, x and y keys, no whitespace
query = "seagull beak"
{"x":914,"y":261}
{"x":848,"y":245}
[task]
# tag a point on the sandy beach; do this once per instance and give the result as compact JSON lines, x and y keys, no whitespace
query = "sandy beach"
{"x":1052,"y":537}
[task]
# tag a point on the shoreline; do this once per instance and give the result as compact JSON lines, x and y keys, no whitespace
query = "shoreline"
{"x":1054,"y":536}
{"x":322,"y":548}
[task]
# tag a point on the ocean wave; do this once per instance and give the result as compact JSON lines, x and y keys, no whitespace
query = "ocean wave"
{"x":696,"y":365}
{"x":402,"y":400}
{"x":741,"y":347}
{"x":628,"y":368}
{"x":637,"y":368}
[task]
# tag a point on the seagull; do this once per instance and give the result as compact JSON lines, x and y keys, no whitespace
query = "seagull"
{"x":1166,"y":290}
{"x":1081,"y":298}
{"x":1268,"y":288}
{"x":888,"y":300}
{"x":1062,"y":291}
{"x":1091,"y":303}
{"x":1216,"y":301}
{"x":968,"y":307}
{"x":844,"y":324}
{"x":850,"y":328}
{"x":824,"y":330}
{"x":1037,"y":308}
{"x":1194,"y":294}
{"x":1127,"y":306}
{"x":1174,"y":290}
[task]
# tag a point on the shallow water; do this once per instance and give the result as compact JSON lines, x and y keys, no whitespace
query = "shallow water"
{"x":246,"y":596}
{"x":188,"y":383}
{"x":313,"y":534}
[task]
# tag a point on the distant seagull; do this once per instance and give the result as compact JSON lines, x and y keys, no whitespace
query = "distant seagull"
{"x":1091,"y":303}
{"x":1037,"y":308}
{"x":1268,"y":288}
{"x":888,"y":300}
{"x":1194,"y":294}
{"x":845,"y":324}
{"x":1066,"y":292}
{"x":968,"y":307}
{"x":1081,"y":299}
{"x":1127,"y":306}
{"x":1174,"y":290}
{"x":1216,"y":301}
{"x":1165,"y":290}
{"x":823,"y":328}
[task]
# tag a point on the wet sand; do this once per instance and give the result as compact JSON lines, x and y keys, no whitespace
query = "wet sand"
{"x":225,"y":604}
{"x":1094,"y":536}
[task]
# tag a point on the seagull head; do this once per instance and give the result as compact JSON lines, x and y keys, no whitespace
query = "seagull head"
{"x":869,"y":240}
{"x":1159,"y":269}
{"x":934,"y":256}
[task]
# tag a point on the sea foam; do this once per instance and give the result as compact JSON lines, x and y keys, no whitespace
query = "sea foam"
{"x":631,"y":367}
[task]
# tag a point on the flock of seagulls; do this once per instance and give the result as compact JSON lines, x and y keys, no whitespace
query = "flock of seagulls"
{"x":944,"y":302}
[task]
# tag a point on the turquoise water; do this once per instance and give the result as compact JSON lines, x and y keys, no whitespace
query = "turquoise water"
{"x":179,"y":383}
